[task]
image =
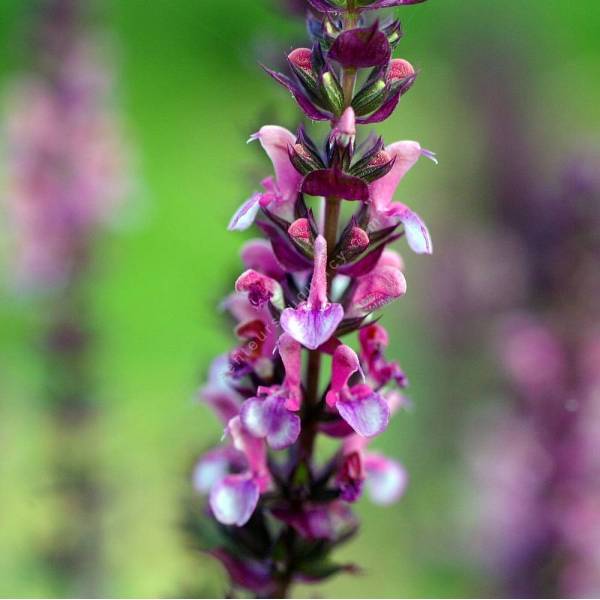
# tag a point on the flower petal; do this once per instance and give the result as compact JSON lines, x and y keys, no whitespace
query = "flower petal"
{"x":268,"y":417}
{"x":245,"y":214}
{"x":257,"y":254}
{"x":275,"y":141}
{"x":234,"y":498}
{"x":417,"y":234}
{"x":386,"y":479}
{"x":377,"y":289}
{"x":214,"y":466}
{"x":365,"y":411}
{"x":253,"y":449}
{"x":291,"y":356}
{"x":405,"y":155}
{"x":254,"y":417}
{"x":343,"y":365}
{"x":284,"y":427}
{"x":312,"y":327}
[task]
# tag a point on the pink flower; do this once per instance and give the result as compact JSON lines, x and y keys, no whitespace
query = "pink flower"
{"x":387,"y":212}
{"x":234,"y":497}
{"x":280,"y":193}
{"x":376,"y":289}
{"x":385,"y":478}
{"x":373,"y":341}
{"x":268,"y":415}
{"x":361,"y":407}
{"x":258,"y":255}
{"x":218,"y":392}
{"x":313,"y":322}
{"x":260,"y":288}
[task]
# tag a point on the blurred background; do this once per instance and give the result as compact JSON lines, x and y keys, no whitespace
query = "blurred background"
{"x":498,"y":331}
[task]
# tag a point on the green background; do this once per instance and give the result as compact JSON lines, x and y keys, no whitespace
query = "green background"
{"x":190,"y":93}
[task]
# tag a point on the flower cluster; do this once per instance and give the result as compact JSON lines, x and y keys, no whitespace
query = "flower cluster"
{"x":66,"y":166}
{"x":538,"y":469}
{"x":311,"y":282}
{"x":65,"y":177}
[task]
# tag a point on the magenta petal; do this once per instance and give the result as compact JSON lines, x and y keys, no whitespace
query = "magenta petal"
{"x":343,"y":365}
{"x":269,"y":418}
{"x":253,"y":449}
{"x":284,"y":426}
{"x":275,"y":141}
{"x":245,"y":214}
{"x":254,"y":417}
{"x":365,"y":411}
{"x":417,"y":234}
{"x":377,"y":289}
{"x":312,"y":327}
{"x":405,"y":154}
{"x":225,"y":403}
{"x":361,"y":48}
{"x":257,"y":254}
{"x":332,"y":182}
{"x":213,"y":466}
{"x":291,"y":356}
{"x":386,"y":479}
{"x":234,"y":498}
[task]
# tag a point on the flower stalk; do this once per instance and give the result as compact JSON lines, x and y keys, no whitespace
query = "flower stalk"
{"x":313,"y":282}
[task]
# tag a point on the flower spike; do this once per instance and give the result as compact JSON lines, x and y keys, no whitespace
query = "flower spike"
{"x":313,"y":322}
{"x":328,"y":217}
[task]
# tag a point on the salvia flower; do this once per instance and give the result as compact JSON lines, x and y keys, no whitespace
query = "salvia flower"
{"x":312,"y":281}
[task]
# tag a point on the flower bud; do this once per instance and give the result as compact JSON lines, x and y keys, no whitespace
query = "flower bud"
{"x":303,"y":160}
{"x":300,"y":61}
{"x":359,"y":239}
{"x":301,"y":233}
{"x":301,"y":58}
{"x":344,"y":132}
{"x":399,"y":69}
{"x":300,"y":230}
{"x":378,"y":166}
